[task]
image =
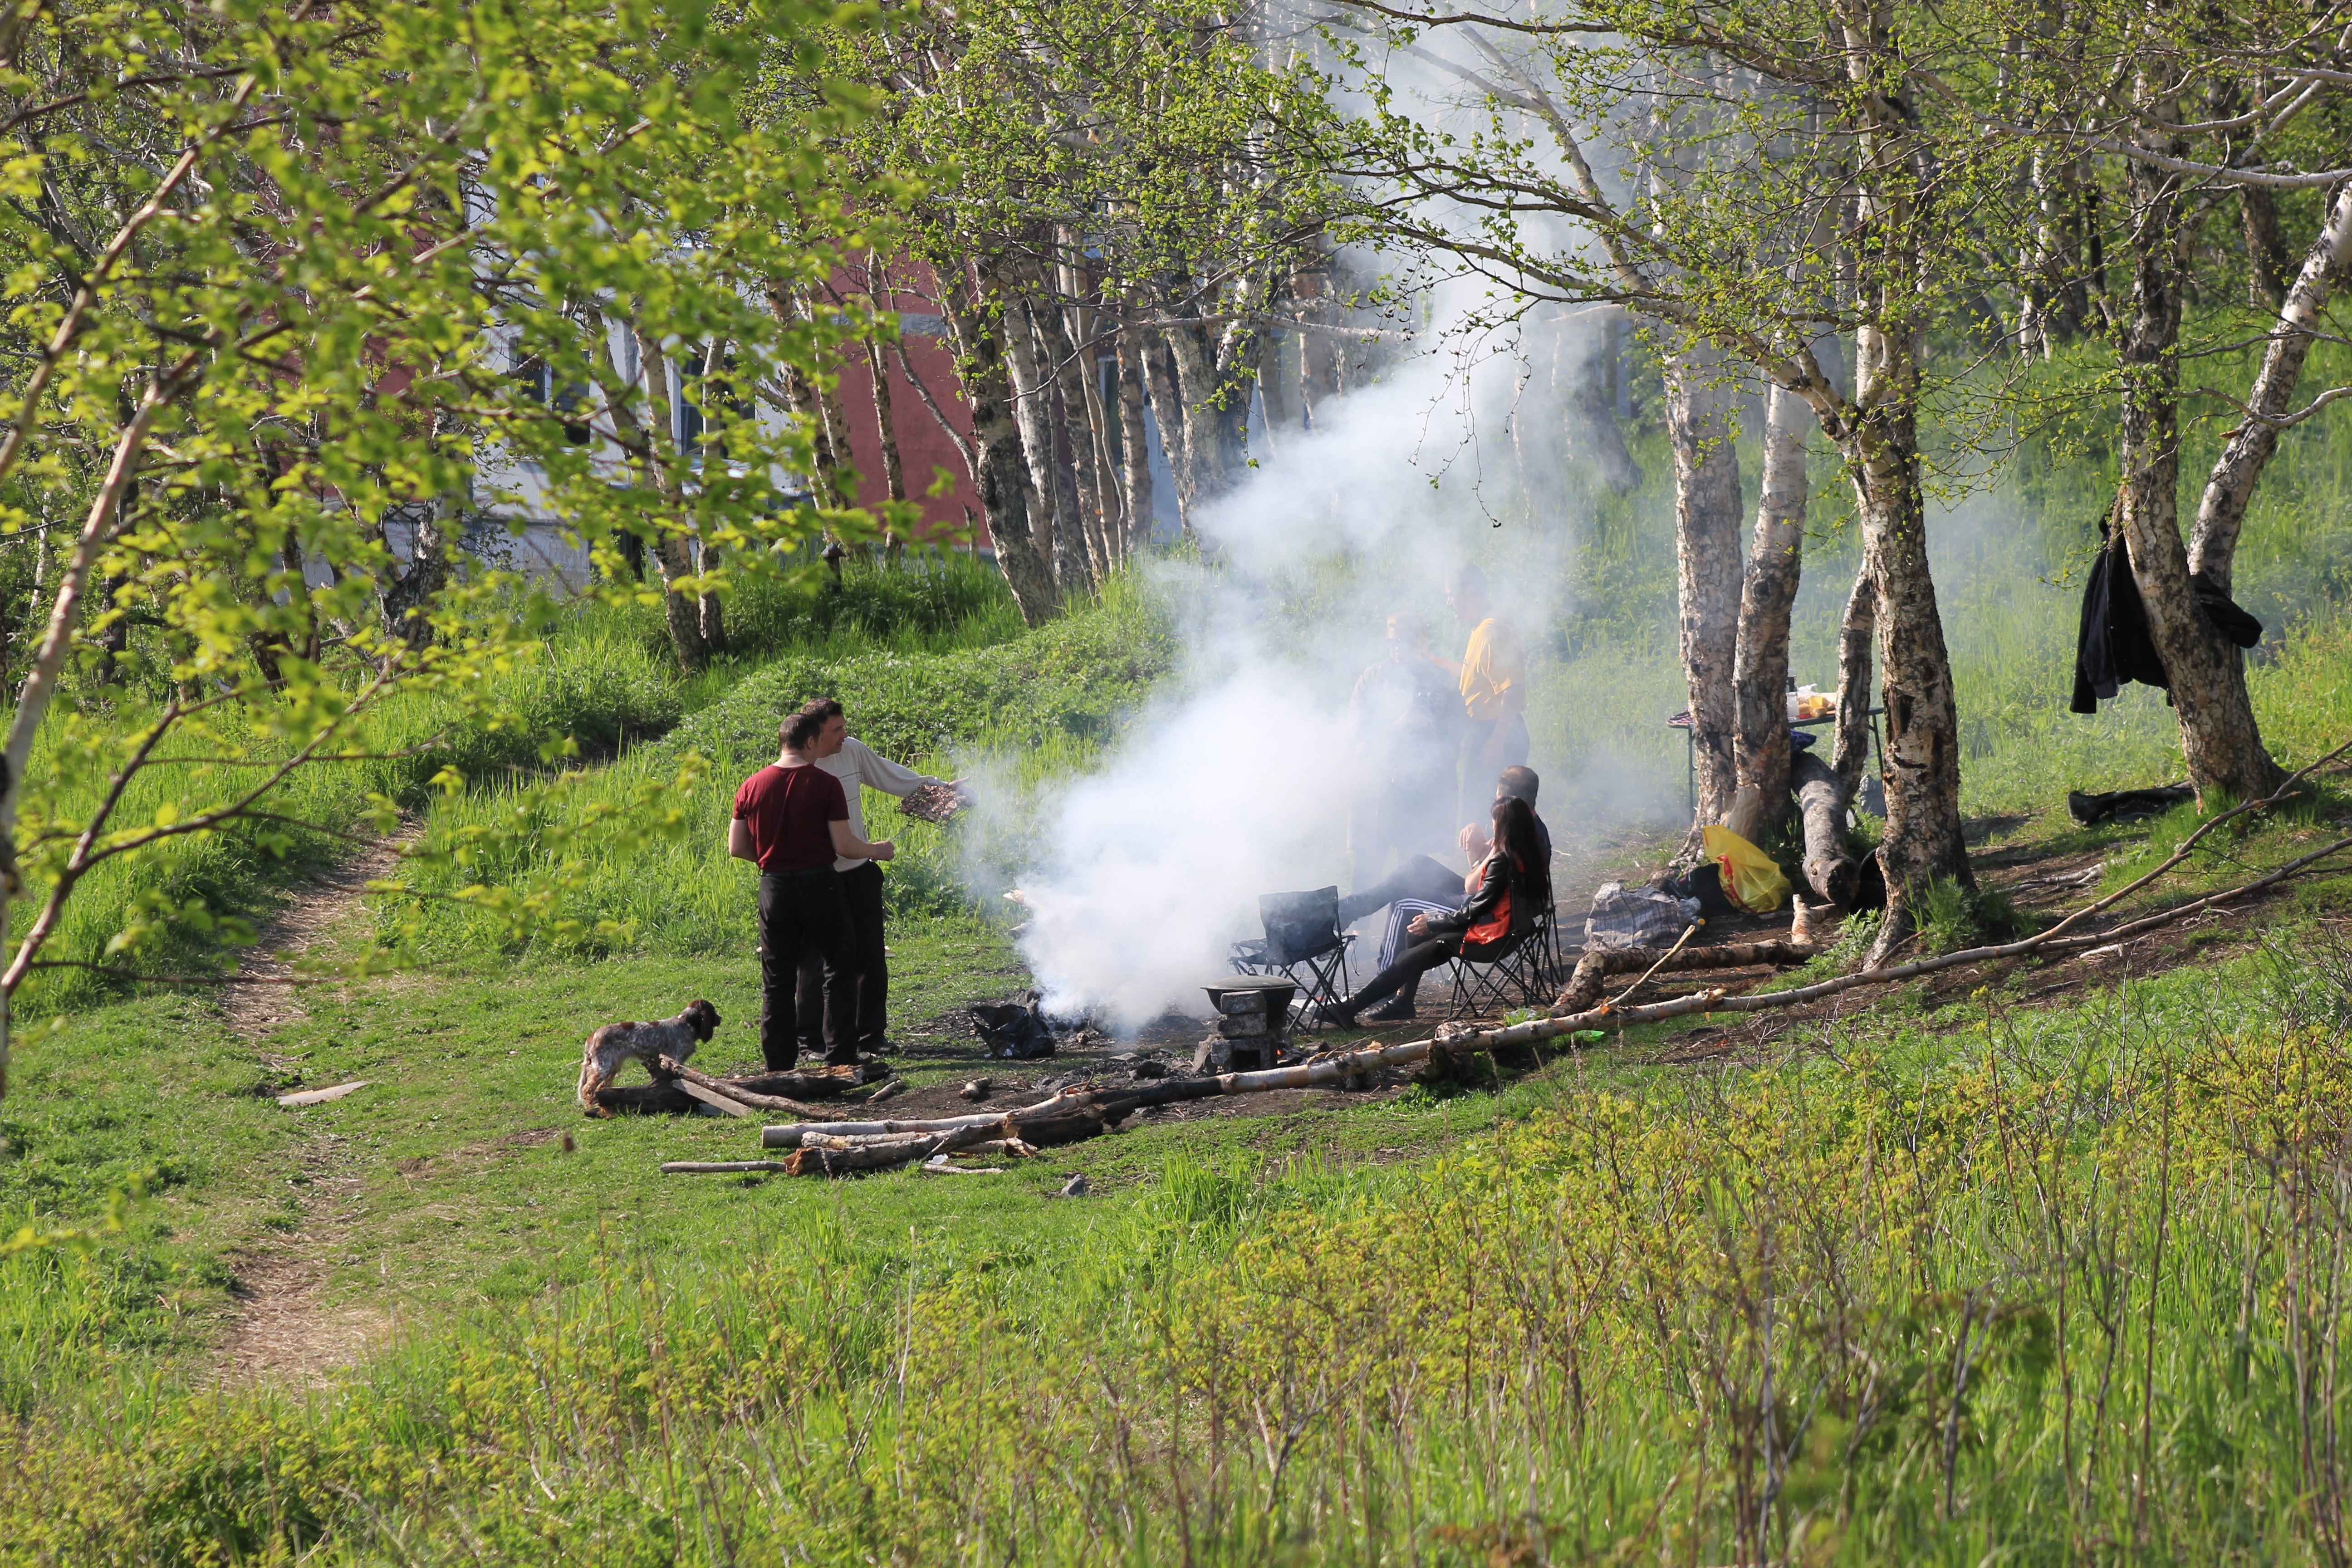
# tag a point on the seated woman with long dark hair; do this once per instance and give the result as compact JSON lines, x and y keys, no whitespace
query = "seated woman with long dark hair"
{"x":1514,"y":886}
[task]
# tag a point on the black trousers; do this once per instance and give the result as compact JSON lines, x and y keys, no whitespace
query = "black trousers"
{"x":802,"y":920}
{"x":1419,"y":877}
{"x":1405,"y":975}
{"x":863,"y":1026}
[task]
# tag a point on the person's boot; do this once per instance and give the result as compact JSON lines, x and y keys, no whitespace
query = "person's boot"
{"x":1397,"y":1009}
{"x":1339,"y":1014}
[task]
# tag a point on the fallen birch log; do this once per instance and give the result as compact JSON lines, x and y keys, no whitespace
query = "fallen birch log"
{"x":789,"y":1137}
{"x":1590,"y":978}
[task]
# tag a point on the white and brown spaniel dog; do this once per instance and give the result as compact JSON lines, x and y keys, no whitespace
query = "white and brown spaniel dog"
{"x":608,"y":1047}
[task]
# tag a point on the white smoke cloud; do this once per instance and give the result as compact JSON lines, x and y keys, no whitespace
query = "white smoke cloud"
{"x":1143,"y":873}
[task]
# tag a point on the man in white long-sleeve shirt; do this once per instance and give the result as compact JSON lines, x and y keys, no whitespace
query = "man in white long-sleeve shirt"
{"x":856,"y":763}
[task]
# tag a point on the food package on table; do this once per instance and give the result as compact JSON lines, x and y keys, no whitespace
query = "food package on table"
{"x":1750,"y":878}
{"x":1807,"y":703}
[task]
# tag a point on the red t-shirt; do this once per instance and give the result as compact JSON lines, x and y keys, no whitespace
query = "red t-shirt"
{"x":787,"y":810}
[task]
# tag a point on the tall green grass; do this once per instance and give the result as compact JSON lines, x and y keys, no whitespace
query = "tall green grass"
{"x":595,"y":683}
{"x":604,"y":681}
{"x":2065,"y":1289}
{"x":1040,"y":707}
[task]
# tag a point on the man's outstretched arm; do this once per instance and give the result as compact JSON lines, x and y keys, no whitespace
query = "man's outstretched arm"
{"x":889,"y":777}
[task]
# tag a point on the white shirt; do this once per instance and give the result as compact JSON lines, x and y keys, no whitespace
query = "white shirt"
{"x":858,"y":763}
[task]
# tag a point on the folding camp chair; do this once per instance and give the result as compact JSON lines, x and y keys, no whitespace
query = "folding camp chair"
{"x":1303,"y":943}
{"x":1528,"y":972}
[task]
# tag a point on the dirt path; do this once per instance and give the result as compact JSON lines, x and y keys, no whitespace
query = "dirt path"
{"x":280,"y":1330}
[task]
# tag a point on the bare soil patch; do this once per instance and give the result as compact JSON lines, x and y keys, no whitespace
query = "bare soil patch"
{"x":281,"y":1329}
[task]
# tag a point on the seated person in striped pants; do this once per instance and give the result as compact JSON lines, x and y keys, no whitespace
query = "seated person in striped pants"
{"x":1431,"y":882}
{"x":1508,"y":888}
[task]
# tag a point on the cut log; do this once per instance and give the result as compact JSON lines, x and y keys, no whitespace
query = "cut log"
{"x":823,"y":1139}
{"x":798,"y":1085}
{"x":1831,"y":868}
{"x":1592,"y":970}
{"x":815,"y":1162}
{"x":737,"y":1091}
{"x":719,"y":1167}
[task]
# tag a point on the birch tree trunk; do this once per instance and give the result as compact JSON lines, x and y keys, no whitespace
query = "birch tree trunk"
{"x":2221,"y":513}
{"x":1707,"y":564}
{"x":1057,"y":524}
{"x":711,"y":611}
{"x":1760,"y":757}
{"x":1168,"y":413}
{"x":1879,"y":438}
{"x":894,"y":469}
{"x":2219,"y":736}
{"x":681,"y":612}
{"x":1849,"y":754}
{"x":1134,"y":443}
{"x":1069,"y":366}
{"x":100,"y":525}
{"x":1109,"y":540}
{"x":1923,"y":841}
{"x":1213,"y":402}
{"x":999,"y":466}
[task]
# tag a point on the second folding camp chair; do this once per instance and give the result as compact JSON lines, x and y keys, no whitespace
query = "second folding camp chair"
{"x":1303,"y":942}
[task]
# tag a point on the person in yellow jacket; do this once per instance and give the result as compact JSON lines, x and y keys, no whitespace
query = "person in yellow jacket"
{"x":1493,"y":682}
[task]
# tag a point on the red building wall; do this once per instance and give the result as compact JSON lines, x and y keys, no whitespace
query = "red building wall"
{"x":924,"y":450}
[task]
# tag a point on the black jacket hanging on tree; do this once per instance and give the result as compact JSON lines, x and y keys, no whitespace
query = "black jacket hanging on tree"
{"x":2112,"y":645}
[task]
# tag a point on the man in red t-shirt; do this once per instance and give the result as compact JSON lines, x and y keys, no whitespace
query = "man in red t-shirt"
{"x":792,"y":820}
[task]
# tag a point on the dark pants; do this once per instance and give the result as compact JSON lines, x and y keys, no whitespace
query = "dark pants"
{"x":801,"y":920}
{"x":861,"y":896}
{"x":1405,"y":975}
{"x":1477,"y":794}
{"x":1419,"y":877}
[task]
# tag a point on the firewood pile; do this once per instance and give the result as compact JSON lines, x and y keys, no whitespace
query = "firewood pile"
{"x":1073,"y":1114}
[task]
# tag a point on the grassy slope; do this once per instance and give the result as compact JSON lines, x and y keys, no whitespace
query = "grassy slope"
{"x":495,"y":1247}
{"x":487,"y":1236}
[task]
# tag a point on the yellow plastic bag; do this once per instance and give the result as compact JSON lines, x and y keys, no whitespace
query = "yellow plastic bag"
{"x":1750,"y":879}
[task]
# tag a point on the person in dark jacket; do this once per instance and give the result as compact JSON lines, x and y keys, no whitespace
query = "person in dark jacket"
{"x":1514,"y":886}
